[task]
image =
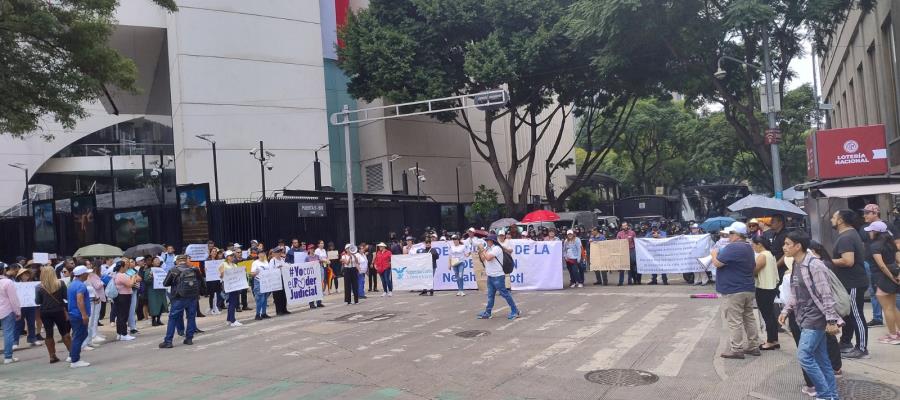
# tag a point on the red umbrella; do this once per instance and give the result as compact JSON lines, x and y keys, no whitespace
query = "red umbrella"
{"x":540,"y":216}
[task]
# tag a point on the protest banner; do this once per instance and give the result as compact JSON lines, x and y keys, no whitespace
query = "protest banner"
{"x":159,"y":276}
{"x":40,"y":258}
{"x":234,"y":279}
{"x":538,"y":265}
{"x":25,"y":293}
{"x":269,"y":280}
{"x":677,"y":254}
{"x":610,"y":255}
{"x":480,"y":274}
{"x":444,"y":277}
{"x":412,"y":272}
{"x":197,"y":252}
{"x":302,"y":282}
{"x":212,"y":270}
{"x":333,"y":255}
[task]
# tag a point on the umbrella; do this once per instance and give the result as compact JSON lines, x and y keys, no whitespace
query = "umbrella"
{"x":716,"y":223}
{"x":540,"y":216}
{"x":144,"y":249}
{"x":99,"y":250}
{"x":755,"y":205}
{"x":503,"y":223}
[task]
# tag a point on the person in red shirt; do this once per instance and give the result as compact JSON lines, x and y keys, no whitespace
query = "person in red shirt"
{"x":626,"y":232}
{"x":383,"y":267}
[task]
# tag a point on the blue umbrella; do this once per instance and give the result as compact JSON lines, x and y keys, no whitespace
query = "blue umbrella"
{"x":716,"y":224}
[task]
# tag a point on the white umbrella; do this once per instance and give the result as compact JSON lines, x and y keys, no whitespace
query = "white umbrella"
{"x":755,"y":205}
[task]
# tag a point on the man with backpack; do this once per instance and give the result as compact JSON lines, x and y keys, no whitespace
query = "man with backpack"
{"x":493,"y":258}
{"x":812,"y":302}
{"x":184,"y":282}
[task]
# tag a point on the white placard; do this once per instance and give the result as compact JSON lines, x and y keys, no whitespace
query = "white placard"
{"x":212,"y":270}
{"x":40,"y":258}
{"x":159,"y":277}
{"x":412,"y":272}
{"x":677,"y":254}
{"x":269,"y":280}
{"x":245,"y":254}
{"x":197,"y":252}
{"x":302,"y":282}
{"x":25,"y":293}
{"x":234,"y":279}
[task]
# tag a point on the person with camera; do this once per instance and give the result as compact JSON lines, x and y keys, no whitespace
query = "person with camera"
{"x":492,"y":256}
{"x":184,"y":283}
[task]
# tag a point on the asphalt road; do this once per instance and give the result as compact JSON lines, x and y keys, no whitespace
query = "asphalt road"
{"x":409,"y":347}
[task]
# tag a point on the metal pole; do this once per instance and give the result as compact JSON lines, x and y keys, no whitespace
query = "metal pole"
{"x":351,"y":217}
{"x":458,"y":201}
{"x":815,"y":85}
{"x":112,"y":179}
{"x":770,"y":100}
{"x":391,"y":172}
{"x":417,"y":179}
{"x":262,"y":171}
{"x":27,"y":194}
{"x":317,"y":172}
{"x":215,"y":171}
{"x":162,"y":177}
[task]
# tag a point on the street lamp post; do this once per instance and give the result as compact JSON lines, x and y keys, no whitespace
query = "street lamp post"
{"x":417,"y":179}
{"x":770,"y":103}
{"x":112,"y":176}
{"x":27,"y":194}
{"x":485,"y":101}
{"x":206,"y":137}
{"x":394,"y":157}
{"x":264,"y":157}
{"x":317,"y":168}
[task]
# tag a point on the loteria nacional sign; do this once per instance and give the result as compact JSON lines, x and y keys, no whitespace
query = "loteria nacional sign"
{"x":847,"y":152}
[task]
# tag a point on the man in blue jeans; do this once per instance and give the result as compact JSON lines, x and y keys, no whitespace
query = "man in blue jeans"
{"x":79,"y":300}
{"x":11,"y":312}
{"x":492,"y":257}
{"x":812,"y":303}
{"x":184,"y":282}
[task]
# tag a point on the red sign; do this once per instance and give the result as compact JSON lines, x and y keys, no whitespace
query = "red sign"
{"x":773,"y":136}
{"x":846,"y":152}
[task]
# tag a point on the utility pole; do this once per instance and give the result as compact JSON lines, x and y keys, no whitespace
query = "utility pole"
{"x":770,"y":101}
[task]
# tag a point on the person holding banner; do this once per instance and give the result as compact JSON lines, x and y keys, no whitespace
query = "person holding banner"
{"x":262,"y":299}
{"x":700,"y":278}
{"x":458,"y":255}
{"x":29,"y":314}
{"x":434,"y":257}
{"x":634,"y":278}
{"x":233,"y":296}
{"x":492,"y":257}
{"x":313,"y":255}
{"x":214,"y":287}
{"x":383,"y":267}
{"x":50,"y":296}
{"x":279,"y":297}
{"x":156,"y":298}
{"x":656,"y":233}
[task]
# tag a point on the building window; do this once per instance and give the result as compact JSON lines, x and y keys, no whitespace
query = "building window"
{"x":374,"y":178}
{"x":862,"y":111}
{"x":890,"y":75}
{"x":852,"y":112}
{"x":873,"y":80}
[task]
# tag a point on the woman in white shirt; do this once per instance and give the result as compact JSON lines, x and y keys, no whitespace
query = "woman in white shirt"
{"x":262,"y":299}
{"x":766,"y":276}
{"x":458,"y":257}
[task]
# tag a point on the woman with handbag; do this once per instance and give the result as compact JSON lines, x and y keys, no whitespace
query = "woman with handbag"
{"x":458,"y":257}
{"x":50,"y":297}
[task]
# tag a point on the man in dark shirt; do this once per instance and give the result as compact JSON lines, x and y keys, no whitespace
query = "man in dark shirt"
{"x":434,"y":257}
{"x":776,"y":237}
{"x":734,"y":280}
{"x":871,"y":213}
{"x":848,"y":266}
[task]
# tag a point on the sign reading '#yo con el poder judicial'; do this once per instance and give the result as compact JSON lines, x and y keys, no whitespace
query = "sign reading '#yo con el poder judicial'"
{"x":840,"y":153}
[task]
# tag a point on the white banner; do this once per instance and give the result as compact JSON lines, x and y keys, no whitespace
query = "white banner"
{"x":444,"y":277}
{"x":302,"y":282}
{"x":538,"y":265}
{"x":676,"y":254}
{"x":412,"y":271}
{"x":40,"y":258}
{"x":197,"y":252}
{"x":269,"y":280}
{"x":212,"y":270}
{"x":159,"y":276}
{"x":25,"y":293}
{"x":234,"y":279}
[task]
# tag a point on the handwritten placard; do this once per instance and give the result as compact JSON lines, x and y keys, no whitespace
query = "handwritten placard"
{"x":212,"y":270}
{"x":25,"y":293}
{"x":159,"y":277}
{"x":40,"y":258}
{"x":269,"y":280}
{"x":234,"y":279}
{"x":610,"y":255}
{"x":197,"y":252}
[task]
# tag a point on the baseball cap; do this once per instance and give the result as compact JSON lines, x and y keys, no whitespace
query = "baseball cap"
{"x":693,"y":226}
{"x":492,"y":238}
{"x":737,"y":227}
{"x":180,"y":258}
{"x":139,"y":259}
{"x":229,"y":253}
{"x":753,"y":221}
{"x":873,"y":208}
{"x":570,"y":232}
{"x":877,"y":226}
{"x":80,"y":270}
{"x":471,"y":229}
{"x":380,"y":244}
{"x":410,"y":238}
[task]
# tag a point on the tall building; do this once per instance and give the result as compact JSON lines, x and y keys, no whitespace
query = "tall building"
{"x":243,"y":72}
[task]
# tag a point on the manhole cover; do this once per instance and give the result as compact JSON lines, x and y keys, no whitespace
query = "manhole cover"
{"x":472,"y":334}
{"x":366,"y":316}
{"x":854,"y":389}
{"x":621,"y":377}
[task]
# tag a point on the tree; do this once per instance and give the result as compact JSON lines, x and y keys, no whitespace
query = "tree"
{"x":55,"y":57}
{"x":689,"y":36}
{"x":485,"y":208}
{"x":407,"y":50}
{"x":583,"y":199}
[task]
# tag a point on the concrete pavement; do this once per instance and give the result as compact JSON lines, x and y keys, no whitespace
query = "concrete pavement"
{"x":414,"y":347}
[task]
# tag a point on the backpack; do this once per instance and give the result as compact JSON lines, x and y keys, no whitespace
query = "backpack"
{"x":111,"y":290}
{"x":838,"y":292}
{"x":507,"y":263}
{"x":188,"y":284}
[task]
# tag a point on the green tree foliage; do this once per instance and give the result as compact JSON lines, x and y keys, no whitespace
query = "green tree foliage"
{"x":406,"y":50}
{"x":689,"y":36}
{"x":583,"y":199}
{"x":485,"y":209}
{"x":54,"y":57}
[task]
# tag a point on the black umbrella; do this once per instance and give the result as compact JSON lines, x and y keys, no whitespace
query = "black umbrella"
{"x":144,"y":249}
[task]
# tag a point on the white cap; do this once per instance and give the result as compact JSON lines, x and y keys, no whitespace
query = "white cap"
{"x":570,"y":232}
{"x":877,"y":226}
{"x":80,"y":270}
{"x":737,"y":227}
{"x":229,"y":253}
{"x":471,"y":229}
{"x":139,"y":259}
{"x":694,"y":225}
{"x":238,"y":245}
{"x":443,"y":238}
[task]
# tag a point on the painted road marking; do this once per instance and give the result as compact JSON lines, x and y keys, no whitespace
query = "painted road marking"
{"x":572,"y":341}
{"x":578,"y":310}
{"x":684,"y":343}
{"x":608,"y":357}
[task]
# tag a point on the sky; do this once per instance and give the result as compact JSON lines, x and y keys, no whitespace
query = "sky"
{"x":802,"y":66}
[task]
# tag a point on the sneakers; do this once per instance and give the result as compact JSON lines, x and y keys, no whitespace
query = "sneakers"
{"x":15,"y":347}
{"x":753,"y":352}
{"x":513,"y":316}
{"x":461,"y":294}
{"x":236,"y":324}
{"x":100,"y":338}
{"x":125,"y":338}
{"x":38,"y":343}
{"x":856,"y":354}
{"x":846,"y":347}
{"x":889,"y":339}
{"x":68,"y":359}
{"x":390,"y":294}
{"x":573,"y":285}
{"x":580,"y":285}
{"x":10,"y":360}
{"x":80,"y":364}
{"x":383,"y":294}
{"x":133,"y":331}
{"x":875,"y":322}
{"x":484,"y":315}
{"x":809,"y":391}
{"x":210,"y":311}
{"x":735,"y":356}
{"x":165,"y":345}
{"x":87,"y":348}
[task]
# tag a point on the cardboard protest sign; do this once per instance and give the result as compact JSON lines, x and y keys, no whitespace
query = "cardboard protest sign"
{"x":610,"y":255}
